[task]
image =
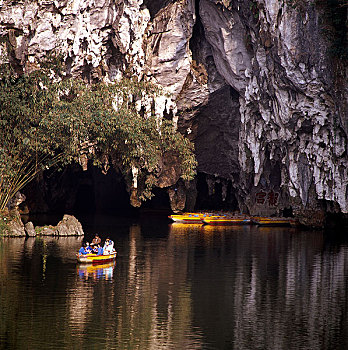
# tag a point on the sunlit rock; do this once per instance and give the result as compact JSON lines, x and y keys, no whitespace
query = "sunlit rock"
{"x":29,"y":229}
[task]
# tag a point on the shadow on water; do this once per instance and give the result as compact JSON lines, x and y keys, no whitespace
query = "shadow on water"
{"x":176,"y":286}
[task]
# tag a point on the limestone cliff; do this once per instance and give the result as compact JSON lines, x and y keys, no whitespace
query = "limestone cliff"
{"x":259,"y":85}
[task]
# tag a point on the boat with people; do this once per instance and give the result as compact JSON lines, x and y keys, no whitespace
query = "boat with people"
{"x":95,"y":254}
{"x":96,"y":259}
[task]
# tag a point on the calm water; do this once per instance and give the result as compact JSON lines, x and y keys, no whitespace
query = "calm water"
{"x":177,"y":287}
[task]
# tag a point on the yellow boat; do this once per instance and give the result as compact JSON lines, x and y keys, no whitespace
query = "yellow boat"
{"x":189,"y":217}
{"x":95,"y":259}
{"x":226,"y":221}
{"x":265,"y":221}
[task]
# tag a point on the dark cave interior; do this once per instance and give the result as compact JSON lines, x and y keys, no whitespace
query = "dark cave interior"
{"x":78,"y":192}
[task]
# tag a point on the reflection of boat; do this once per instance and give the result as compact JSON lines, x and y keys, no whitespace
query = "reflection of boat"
{"x":218,"y":229}
{"x":226,"y":221}
{"x":97,"y":271}
{"x":95,"y":259}
{"x":184,"y":228}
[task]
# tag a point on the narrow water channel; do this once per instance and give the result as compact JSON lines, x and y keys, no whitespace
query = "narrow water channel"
{"x":177,"y":287}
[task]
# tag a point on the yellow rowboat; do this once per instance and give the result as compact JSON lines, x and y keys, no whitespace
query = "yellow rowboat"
{"x":226,"y":221}
{"x":189,"y":218}
{"x":95,"y":259}
{"x":264,"y":221}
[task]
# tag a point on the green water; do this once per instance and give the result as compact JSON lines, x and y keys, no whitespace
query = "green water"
{"x":176,"y":287}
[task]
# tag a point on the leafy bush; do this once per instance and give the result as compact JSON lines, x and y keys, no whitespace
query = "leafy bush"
{"x":4,"y":219}
{"x":46,"y":122}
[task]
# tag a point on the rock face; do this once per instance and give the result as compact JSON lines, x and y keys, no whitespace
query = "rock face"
{"x":252,"y":83}
{"x":15,"y":227}
{"x":16,"y":200}
{"x":68,"y":226}
{"x":29,"y":229}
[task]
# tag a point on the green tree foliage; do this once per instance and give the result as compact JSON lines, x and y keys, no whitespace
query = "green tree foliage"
{"x":45,"y":122}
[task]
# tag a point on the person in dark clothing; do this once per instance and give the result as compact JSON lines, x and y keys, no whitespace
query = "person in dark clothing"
{"x":96,"y":240}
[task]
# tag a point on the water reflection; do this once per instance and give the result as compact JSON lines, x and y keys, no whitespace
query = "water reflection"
{"x":178,"y":287}
{"x":95,"y":272}
{"x":156,"y":304}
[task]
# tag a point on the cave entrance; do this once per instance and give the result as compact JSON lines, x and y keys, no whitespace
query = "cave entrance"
{"x":77,"y":192}
{"x":85,"y":200}
{"x":96,"y":192}
{"x":215,"y":194}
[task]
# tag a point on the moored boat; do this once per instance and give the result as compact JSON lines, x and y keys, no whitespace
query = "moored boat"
{"x":190,"y":218}
{"x":95,"y":259}
{"x":269,"y":221}
{"x":226,"y":221}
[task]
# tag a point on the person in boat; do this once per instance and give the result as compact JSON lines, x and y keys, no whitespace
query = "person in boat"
{"x":88,"y":248}
{"x":96,"y":240}
{"x":100,"y":250}
{"x":108,"y":246}
{"x":83,"y":250}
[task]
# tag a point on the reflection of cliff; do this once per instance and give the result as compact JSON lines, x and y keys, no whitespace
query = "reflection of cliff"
{"x":156,"y":309}
{"x":33,"y":281}
{"x":273,"y":287}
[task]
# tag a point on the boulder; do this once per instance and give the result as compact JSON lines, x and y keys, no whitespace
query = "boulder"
{"x":69,"y":226}
{"x":15,"y":228}
{"x":29,"y":229}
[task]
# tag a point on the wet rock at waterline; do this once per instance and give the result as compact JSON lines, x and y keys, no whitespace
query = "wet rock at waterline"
{"x":30,"y":229}
{"x":68,"y":226}
{"x":15,"y":227}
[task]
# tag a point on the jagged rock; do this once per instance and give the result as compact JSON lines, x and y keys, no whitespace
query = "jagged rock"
{"x":16,"y":200}
{"x":227,"y":34}
{"x":177,"y":196}
{"x":169,"y":173}
{"x":29,"y":229}
{"x":69,"y":226}
{"x":15,"y":227}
